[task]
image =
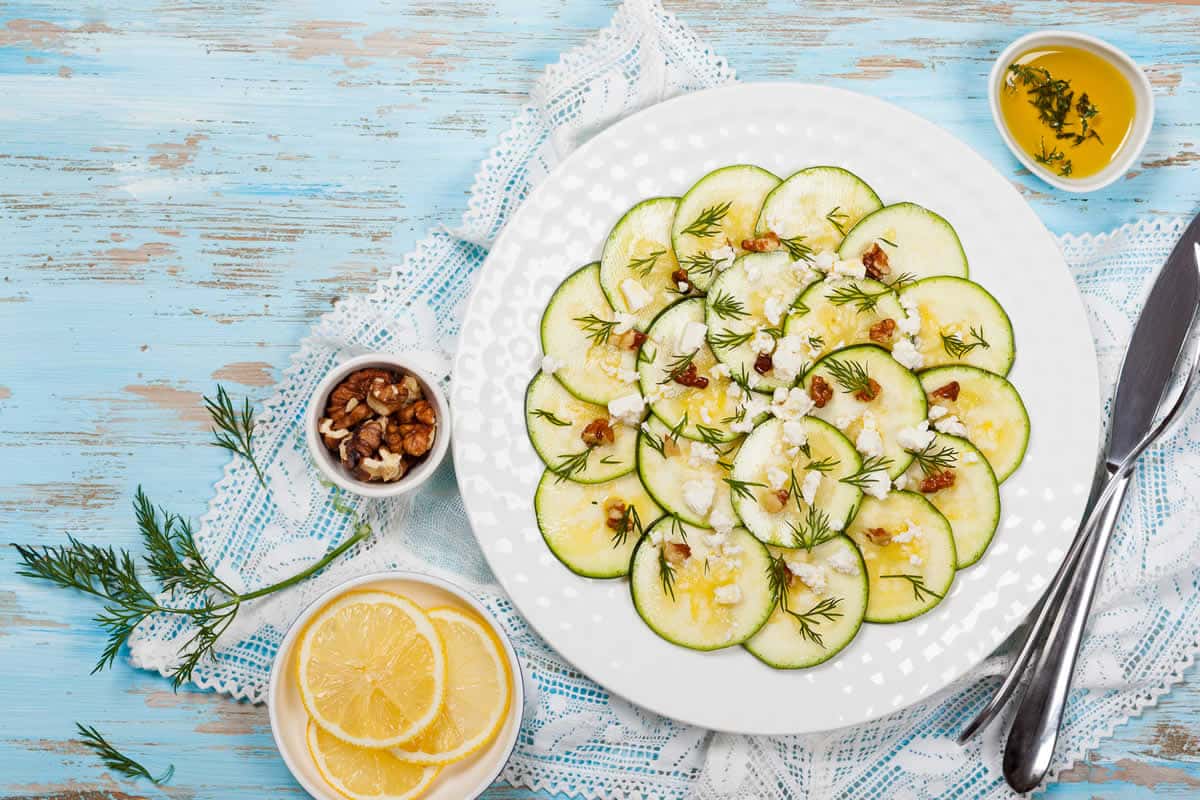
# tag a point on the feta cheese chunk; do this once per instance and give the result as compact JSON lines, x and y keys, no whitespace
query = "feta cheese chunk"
{"x":849,"y":268}
{"x":702,"y":454}
{"x":901,"y":483}
{"x":636,"y":296}
{"x":624,"y":321}
{"x":969,"y":457}
{"x":909,"y":324}
{"x":776,"y":478}
{"x":808,"y":489}
{"x":788,"y":359}
{"x":728,"y":595}
{"x":951,"y":425}
{"x":551,"y":365}
{"x":627,"y":408}
{"x":813,"y":575}
{"x":869,"y":442}
{"x":722,"y":521}
{"x":691,"y":336}
{"x":843,"y":561}
{"x":877,"y":484}
{"x":916,"y":438}
{"x":824,"y":260}
{"x":794,"y":434}
{"x":936,"y":412}
{"x":906,"y":353}
{"x":698,"y":495}
{"x":762,"y":342}
{"x":724,"y":256}
{"x":774,"y":309}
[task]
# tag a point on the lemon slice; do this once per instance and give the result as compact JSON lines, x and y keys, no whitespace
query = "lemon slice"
{"x":362,"y":774}
{"x":372,"y":669}
{"x":478,"y":690}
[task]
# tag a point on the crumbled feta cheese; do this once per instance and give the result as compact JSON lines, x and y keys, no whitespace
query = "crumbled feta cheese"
{"x":837,"y":525}
{"x":551,"y":365}
{"x":951,"y":425}
{"x":636,"y":296}
{"x":728,"y":595}
{"x":734,"y":390}
{"x":776,"y":478}
{"x":774,"y":309}
{"x":794,"y":433}
{"x":721,"y":520}
{"x":877,"y":484}
{"x":625,"y":322}
{"x":936,"y":412}
{"x":788,"y":359}
{"x":813,"y":575}
{"x":915,"y":438}
{"x":701,"y":454}
{"x":705,"y":415}
{"x":744,"y":425}
{"x":762,"y":342}
{"x":754,"y":379}
{"x":843,"y":561}
{"x":915,"y":560}
{"x":909,"y":324}
{"x":730,"y":549}
{"x":824,"y":260}
{"x":791,"y":404}
{"x":909,"y":303}
{"x":845,"y":421}
{"x":715,"y":540}
{"x":868,"y":420}
{"x":849,"y":268}
{"x":911,"y":531}
{"x":969,"y":457}
{"x":808,"y":489}
{"x":719,"y":370}
{"x":724,"y":256}
{"x":901,"y":483}
{"x":627,"y":408}
{"x":691,"y":336}
{"x":683,"y":287}
{"x":657,"y":537}
{"x":780,"y":395}
{"x":869,"y":442}
{"x":698,"y":495}
{"x":906,"y":353}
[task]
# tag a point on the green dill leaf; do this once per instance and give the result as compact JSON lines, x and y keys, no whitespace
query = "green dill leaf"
{"x":550,"y":417}
{"x":116,"y":760}
{"x":707,"y":223}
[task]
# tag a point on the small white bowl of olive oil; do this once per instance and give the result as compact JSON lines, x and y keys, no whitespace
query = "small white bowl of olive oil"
{"x":1072,"y":108}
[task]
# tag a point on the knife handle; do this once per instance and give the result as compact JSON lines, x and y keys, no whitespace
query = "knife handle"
{"x":1035,"y":726}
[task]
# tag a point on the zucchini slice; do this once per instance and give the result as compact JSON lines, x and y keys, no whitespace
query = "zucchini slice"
{"x":715,"y":216}
{"x":823,"y":619}
{"x":988,"y":411}
{"x":769,"y":462}
{"x":755,"y":294}
{"x":555,"y":419}
{"x":819,"y":205}
{"x":674,"y":342}
{"x":701,"y":590}
{"x":916,"y":240}
{"x":899,"y":404}
{"x":834,"y":314}
{"x":637,"y":262}
{"x":574,"y":521}
{"x":578,"y":320}
{"x":668,"y":464}
{"x":971,"y":504}
{"x":961,"y":323}
{"x":908,"y":549}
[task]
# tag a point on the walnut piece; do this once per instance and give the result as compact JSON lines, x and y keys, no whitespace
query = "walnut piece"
{"x":879,"y":536}
{"x":763,"y":363}
{"x":937,"y":481}
{"x":597,"y":432}
{"x":677,"y":552}
{"x":949,"y":391}
{"x":820,"y":392}
{"x":876,"y":262}
{"x":868,"y":394}
{"x":774,"y":501}
{"x":881,"y":332}
{"x":614,"y":513}
{"x":762,"y":244}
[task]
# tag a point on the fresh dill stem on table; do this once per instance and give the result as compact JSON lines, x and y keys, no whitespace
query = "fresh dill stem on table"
{"x":233,"y":430}
{"x":117,"y":761}
{"x":180,"y":569}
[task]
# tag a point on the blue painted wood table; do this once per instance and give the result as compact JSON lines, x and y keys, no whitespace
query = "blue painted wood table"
{"x":185,"y":186}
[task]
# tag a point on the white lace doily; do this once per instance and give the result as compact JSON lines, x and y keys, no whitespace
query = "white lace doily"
{"x":577,"y":739}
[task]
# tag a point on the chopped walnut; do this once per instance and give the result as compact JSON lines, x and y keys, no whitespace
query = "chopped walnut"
{"x":876,"y":262}
{"x":764,"y":363}
{"x":363,"y":444}
{"x":614,"y":513}
{"x":681,"y":279}
{"x":774,"y":501}
{"x":820,"y":392}
{"x":881,"y":332}
{"x":878,"y":536}
{"x":677,"y":552}
{"x":691,"y":378}
{"x":330,"y":435}
{"x":868,"y":394}
{"x":949,"y":391}
{"x":670,"y":447}
{"x":762,"y":244}
{"x":631,"y":339}
{"x":598,"y":432}
{"x":388,"y":467}
{"x":937,"y":481}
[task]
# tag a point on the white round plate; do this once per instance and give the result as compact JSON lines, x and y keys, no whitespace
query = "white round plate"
{"x":782,"y":127}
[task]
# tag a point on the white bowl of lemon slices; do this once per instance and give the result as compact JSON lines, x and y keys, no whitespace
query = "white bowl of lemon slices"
{"x":394,"y":686}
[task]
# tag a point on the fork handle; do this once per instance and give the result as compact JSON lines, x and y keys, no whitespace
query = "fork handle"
{"x":1036,"y":723}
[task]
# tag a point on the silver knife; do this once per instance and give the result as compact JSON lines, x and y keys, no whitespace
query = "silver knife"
{"x":1158,"y":340}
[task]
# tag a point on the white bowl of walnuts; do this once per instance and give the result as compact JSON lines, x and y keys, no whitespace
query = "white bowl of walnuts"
{"x":378,"y":426}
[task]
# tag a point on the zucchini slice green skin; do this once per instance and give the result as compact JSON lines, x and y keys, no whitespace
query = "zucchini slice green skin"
{"x":718,"y":211}
{"x":780,"y":644}
{"x":573,"y":520}
{"x":961,"y":323}
{"x":690,"y":613}
{"x":991,"y":410}
{"x":756,"y":293}
{"x":639,"y":250}
{"x":972,"y":504}
{"x":830,"y":325}
{"x":765,"y":450}
{"x":596,"y":377}
{"x":902,"y":587}
{"x":665,"y":466}
{"x":916,"y":240}
{"x":819,"y":205}
{"x":900,"y":404}
{"x":555,"y":418}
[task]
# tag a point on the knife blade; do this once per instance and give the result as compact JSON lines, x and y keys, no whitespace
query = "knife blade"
{"x":1158,"y":339}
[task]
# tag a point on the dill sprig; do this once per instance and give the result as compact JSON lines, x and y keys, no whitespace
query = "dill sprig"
{"x":816,"y":342}
{"x":711,"y":436}
{"x":920,"y":590}
{"x":933,"y":459}
{"x":1054,"y":157}
{"x":630,"y":521}
{"x":234,"y":430}
{"x":797,"y":249}
{"x":825,"y":610}
{"x":726,"y":306}
{"x":727,"y":339}
{"x":1054,"y":100}
{"x":889,"y":242}
{"x":853,"y":293}
{"x":550,"y":417}
{"x":852,"y":376}
{"x":655,"y":443}
{"x":115,"y":760}
{"x":955,"y":347}
{"x":645,"y":265}
{"x":679,"y":365}
{"x":904,"y":279}
{"x":699,"y":263}
{"x":708,"y":222}
{"x":597,"y":329}
{"x":176,"y":563}
{"x":571,"y":464}
{"x":813,"y":529}
{"x":864,"y":476}
{"x":838,"y":218}
{"x":666,"y":573}
{"x":646,"y":355}
{"x":824,"y":465}
{"x":742,"y":488}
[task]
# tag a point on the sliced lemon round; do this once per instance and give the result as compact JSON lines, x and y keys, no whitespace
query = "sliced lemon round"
{"x":372,"y":669}
{"x":478,"y":691}
{"x":362,"y":774}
